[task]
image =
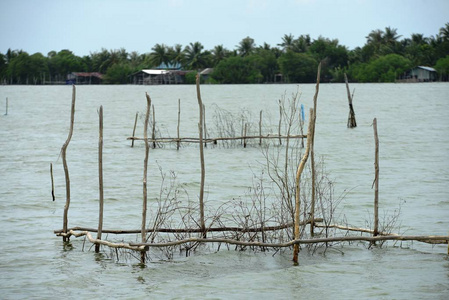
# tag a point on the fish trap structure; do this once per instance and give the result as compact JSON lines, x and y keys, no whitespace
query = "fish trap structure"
{"x":259,"y":224}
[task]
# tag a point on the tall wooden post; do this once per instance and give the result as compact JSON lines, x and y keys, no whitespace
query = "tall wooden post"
{"x":134,"y":130}
{"x":203,"y":170}
{"x":351,"y":118}
{"x":298,"y":190}
{"x":153,"y":132}
{"x":260,"y":129}
{"x":179,"y":121}
{"x":145,"y":172}
{"x":376,"y":180}
{"x":312,"y":153}
{"x":100,"y":179}
{"x":66,"y":169}
{"x":280,"y":122}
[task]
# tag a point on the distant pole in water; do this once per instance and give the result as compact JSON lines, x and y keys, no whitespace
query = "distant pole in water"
{"x":376,"y":179}
{"x":6,"y":106}
{"x":351,"y":118}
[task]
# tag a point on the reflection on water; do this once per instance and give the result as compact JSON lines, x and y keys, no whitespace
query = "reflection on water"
{"x":413,"y":126}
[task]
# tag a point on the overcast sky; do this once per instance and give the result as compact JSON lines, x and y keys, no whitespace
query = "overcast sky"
{"x":87,"y":26}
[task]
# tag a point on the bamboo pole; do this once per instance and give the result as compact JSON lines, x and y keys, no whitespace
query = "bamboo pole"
{"x":204,"y":125}
{"x":376,"y":179}
{"x":214,"y":140}
{"x":134,"y":130}
{"x":312,"y":152}
{"x":100,"y":179}
{"x":203,"y":170}
{"x":280,"y":122}
{"x":145,"y":172}
{"x":298,"y":177}
{"x":194,"y":230}
{"x":420,"y":238}
{"x":351,"y":118}
{"x":260,"y":128}
{"x":64,"y":162}
{"x":179,"y":122}
{"x":244,"y":135}
{"x":153,"y":133}
{"x":52,"y":182}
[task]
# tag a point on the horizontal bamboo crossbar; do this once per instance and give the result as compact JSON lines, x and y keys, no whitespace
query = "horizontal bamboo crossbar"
{"x":191,"y":230}
{"x":438,"y":239}
{"x":213,"y":140}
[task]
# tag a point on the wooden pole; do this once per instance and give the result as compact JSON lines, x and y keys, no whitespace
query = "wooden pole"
{"x":312,"y":153}
{"x":52,"y":182}
{"x":64,"y":162}
{"x":203,"y":171}
{"x":376,"y":180}
{"x":179,"y":121}
{"x":145,"y":172}
{"x":153,"y":134}
{"x":298,"y":177}
{"x":204,"y":125}
{"x":351,"y":118}
{"x":134,"y":130}
{"x":260,"y":128}
{"x":6,"y":106}
{"x":100,"y":179}
{"x":244,"y":135}
{"x":280,"y":122}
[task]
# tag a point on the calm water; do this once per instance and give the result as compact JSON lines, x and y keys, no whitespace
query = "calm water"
{"x":413,"y":126}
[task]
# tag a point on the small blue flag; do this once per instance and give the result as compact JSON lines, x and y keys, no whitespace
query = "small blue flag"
{"x":302,"y":113}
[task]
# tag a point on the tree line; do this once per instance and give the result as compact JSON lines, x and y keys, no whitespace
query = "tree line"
{"x":384,"y":57}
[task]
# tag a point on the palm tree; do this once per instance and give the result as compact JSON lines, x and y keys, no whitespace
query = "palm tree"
{"x":218,"y":54}
{"x":246,"y":46}
{"x":444,"y":32}
{"x":375,"y":37}
{"x":391,"y":36}
{"x":159,"y":55}
{"x":176,"y":55}
{"x":419,"y":39}
{"x":195,"y":58}
{"x":287,"y":42}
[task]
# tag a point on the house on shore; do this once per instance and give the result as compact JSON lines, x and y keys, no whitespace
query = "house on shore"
{"x":84,"y":78}
{"x":419,"y":74}
{"x":158,"y":76}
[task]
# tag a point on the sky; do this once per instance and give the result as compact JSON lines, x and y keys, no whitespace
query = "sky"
{"x":88,"y":26}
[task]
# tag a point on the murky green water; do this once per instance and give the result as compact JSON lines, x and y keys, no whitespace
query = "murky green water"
{"x":413,"y":125}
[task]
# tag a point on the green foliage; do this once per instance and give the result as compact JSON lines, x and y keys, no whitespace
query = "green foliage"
{"x":298,"y":67}
{"x":237,"y":69}
{"x":384,"y":57}
{"x":442,"y":66}
{"x":383,"y":69}
{"x":118,"y":74}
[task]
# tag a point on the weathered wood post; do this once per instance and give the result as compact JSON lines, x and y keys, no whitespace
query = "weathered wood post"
{"x":100,"y":179}
{"x":66,"y":169}
{"x":145,"y":172}
{"x":376,"y":180}
{"x":280,"y":122}
{"x":6,"y":106}
{"x":153,"y":133}
{"x":297,"y":187}
{"x":260,"y":128}
{"x":312,"y":155}
{"x":52,"y":182}
{"x":134,"y":130}
{"x":203,"y":170}
{"x":179,"y":121}
{"x":351,"y":118}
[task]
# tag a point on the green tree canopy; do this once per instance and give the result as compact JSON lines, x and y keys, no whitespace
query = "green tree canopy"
{"x":298,"y":67}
